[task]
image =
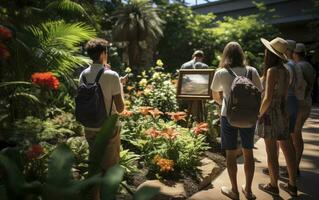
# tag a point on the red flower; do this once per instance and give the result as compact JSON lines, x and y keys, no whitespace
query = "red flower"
{"x":46,"y":79}
{"x":144,"y":110}
{"x":34,"y":152}
{"x":5,"y":33}
{"x":155,"y":112}
{"x":152,"y":132}
{"x":200,"y":128}
{"x":177,"y":116}
{"x":4,"y":53}
{"x":126,"y":113}
{"x":169,"y":133}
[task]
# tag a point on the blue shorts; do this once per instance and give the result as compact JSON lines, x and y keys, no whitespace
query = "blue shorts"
{"x":229,"y":135}
{"x":292,"y":103}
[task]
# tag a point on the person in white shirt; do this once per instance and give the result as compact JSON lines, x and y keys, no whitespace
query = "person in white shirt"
{"x":233,"y":57}
{"x":112,"y":89}
{"x":304,"y":104}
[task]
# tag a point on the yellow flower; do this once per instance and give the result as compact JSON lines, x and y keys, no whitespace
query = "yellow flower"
{"x":156,"y":75}
{"x":128,"y":70}
{"x":159,"y":63}
{"x":143,"y":82}
{"x":144,"y":74}
{"x":127,"y":103}
{"x":147,"y":91}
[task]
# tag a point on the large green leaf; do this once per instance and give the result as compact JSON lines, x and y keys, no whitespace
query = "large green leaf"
{"x":112,"y":182}
{"x":15,"y":184}
{"x":102,"y":137}
{"x":146,"y":193}
{"x":59,"y":168}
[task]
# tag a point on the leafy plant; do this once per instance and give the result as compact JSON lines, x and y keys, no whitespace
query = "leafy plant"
{"x":59,"y":183}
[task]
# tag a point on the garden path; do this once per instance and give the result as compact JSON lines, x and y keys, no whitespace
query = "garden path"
{"x":308,"y":182}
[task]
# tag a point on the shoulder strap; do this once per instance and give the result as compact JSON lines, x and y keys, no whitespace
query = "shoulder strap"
{"x":231,"y":72}
{"x":98,"y":76}
{"x":249,"y":74}
{"x":84,"y":79}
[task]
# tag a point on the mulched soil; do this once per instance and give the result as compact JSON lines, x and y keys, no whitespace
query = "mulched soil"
{"x":191,"y":183}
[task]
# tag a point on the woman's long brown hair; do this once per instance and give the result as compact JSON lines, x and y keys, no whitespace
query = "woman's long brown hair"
{"x":271,"y":60}
{"x":233,"y":56}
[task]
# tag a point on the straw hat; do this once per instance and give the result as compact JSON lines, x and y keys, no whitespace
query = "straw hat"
{"x":278,"y":46}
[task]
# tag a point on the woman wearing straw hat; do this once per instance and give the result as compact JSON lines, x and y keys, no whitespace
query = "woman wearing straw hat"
{"x":273,"y":124}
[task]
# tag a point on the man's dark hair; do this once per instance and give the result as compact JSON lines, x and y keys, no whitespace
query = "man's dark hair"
{"x":96,"y":47}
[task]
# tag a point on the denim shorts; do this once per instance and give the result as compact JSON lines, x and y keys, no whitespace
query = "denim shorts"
{"x":229,"y":136}
{"x":292,"y":103}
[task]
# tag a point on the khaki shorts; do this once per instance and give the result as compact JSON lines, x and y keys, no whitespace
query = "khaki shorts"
{"x":303,"y":113}
{"x":112,"y":149}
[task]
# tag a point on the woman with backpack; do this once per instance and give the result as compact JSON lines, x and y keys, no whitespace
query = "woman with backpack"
{"x":231,"y":68}
{"x":273,"y":123}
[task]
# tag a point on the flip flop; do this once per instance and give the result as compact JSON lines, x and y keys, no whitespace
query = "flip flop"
{"x":229,"y":193}
{"x":292,"y":190}
{"x":268,"y":188}
{"x":248,"y":195}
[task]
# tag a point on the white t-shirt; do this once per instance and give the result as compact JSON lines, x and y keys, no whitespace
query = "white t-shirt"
{"x":222,"y":82}
{"x":109,"y":82}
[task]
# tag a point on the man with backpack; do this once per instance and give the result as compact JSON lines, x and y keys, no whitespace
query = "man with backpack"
{"x":100,"y":95}
{"x":240,"y":86}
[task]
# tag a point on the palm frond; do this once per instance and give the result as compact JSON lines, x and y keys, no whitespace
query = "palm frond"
{"x":26,"y":96}
{"x":59,"y":45}
{"x":66,"y":6}
{"x":15,"y":84}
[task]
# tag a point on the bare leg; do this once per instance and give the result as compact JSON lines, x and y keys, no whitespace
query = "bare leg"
{"x":249,"y":166}
{"x":290,"y":157}
{"x":272,"y":160}
{"x":231,"y":164}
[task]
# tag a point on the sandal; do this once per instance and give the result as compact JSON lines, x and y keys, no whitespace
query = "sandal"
{"x":292,"y":190}
{"x":248,"y":195}
{"x":229,"y":193}
{"x":268,"y":188}
{"x":266,"y":171}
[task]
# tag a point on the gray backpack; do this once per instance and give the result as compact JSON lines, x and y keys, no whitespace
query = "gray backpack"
{"x":244,"y":101}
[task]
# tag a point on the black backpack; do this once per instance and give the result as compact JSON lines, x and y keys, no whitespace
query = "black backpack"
{"x":89,"y":103}
{"x":244,"y":101}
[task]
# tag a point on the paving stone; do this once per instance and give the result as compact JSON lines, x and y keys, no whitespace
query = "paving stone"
{"x":175,"y":190}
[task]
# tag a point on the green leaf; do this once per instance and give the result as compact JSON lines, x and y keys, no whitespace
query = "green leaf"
{"x":59,"y":169}
{"x":112,"y":181}
{"x":14,"y":179}
{"x":102,"y":137}
{"x":15,"y":83}
{"x":146,"y":193}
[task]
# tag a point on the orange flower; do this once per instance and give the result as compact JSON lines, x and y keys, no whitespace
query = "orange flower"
{"x":45,"y":79}
{"x":139,"y":93}
{"x":155,"y":112}
{"x":5,"y":33}
{"x":34,"y":152}
{"x":129,"y":88}
{"x":152,"y":132}
{"x":4,"y":53}
{"x":177,"y":116}
{"x":169,"y":133}
{"x":166,"y":165}
{"x":144,"y":110}
{"x":126,"y":113}
{"x":200,"y":128}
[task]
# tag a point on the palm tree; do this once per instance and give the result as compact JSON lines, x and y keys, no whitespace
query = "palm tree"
{"x":137,"y":26}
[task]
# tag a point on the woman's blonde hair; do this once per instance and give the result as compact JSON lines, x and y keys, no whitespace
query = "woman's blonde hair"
{"x":233,"y":56}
